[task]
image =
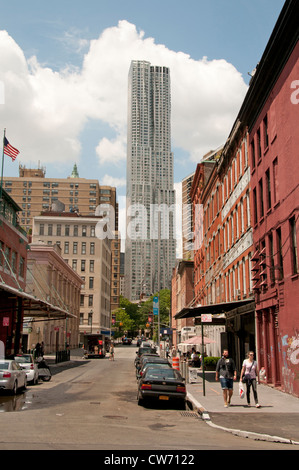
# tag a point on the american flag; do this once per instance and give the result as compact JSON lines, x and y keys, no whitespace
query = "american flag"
{"x":10,"y":150}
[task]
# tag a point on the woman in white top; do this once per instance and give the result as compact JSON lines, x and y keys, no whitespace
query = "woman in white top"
{"x":250,"y":370}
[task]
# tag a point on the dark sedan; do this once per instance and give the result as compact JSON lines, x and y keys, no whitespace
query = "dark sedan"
{"x":142,"y":351}
{"x":146,"y":357}
{"x":153,"y":365}
{"x":161,"y":384}
{"x":149,"y":360}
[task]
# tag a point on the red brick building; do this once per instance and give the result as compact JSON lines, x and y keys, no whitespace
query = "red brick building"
{"x":13,"y":261}
{"x":222,"y":277}
{"x":273,"y":122}
{"x":182,"y":294}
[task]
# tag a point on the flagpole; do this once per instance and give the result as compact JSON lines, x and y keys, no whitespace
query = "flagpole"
{"x":2,"y":166}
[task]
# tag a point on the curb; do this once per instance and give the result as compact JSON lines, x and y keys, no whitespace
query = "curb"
{"x":237,"y":432}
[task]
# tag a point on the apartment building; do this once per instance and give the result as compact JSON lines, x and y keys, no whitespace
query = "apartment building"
{"x":36,"y":194}
{"x":89,"y":256}
{"x":274,"y":143}
{"x":51,"y":278}
{"x":150,"y":247}
{"x":187,"y":219}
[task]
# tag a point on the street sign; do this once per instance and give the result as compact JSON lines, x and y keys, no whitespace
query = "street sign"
{"x":206,"y":318}
{"x":156,"y":305}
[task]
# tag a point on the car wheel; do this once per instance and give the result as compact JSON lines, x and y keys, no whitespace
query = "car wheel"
{"x":139,"y":399}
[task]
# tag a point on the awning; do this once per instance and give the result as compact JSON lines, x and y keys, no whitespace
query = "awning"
{"x":35,"y":307}
{"x":191,"y":312}
{"x":198,"y":340}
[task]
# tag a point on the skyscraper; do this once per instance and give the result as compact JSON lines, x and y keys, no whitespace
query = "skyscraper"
{"x":150,"y":241}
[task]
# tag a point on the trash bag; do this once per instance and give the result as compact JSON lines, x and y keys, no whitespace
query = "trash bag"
{"x":241,"y":390}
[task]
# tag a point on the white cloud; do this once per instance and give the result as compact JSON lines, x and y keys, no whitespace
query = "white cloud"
{"x":108,"y":180}
{"x":112,"y":151}
{"x":47,"y":110}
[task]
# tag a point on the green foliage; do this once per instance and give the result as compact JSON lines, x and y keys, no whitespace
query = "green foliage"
{"x":138,"y":313}
{"x":211,"y":360}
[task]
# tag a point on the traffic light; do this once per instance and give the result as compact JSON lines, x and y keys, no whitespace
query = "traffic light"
{"x":113,"y":319}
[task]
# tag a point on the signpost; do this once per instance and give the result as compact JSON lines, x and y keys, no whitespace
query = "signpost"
{"x":156,"y":311}
{"x":205,"y":318}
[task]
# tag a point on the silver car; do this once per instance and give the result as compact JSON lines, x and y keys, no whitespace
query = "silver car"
{"x":12,"y":376}
{"x":26,"y":361}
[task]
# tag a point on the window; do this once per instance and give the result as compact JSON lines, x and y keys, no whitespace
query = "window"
{"x":84,"y":231}
{"x":268,"y":189}
{"x":279,"y":253}
{"x":75,"y":230}
{"x":83,"y":248}
{"x":275,"y":180}
{"x":74,"y":264}
{"x":91,"y":282}
{"x":254,"y":207}
{"x":50,"y":229}
{"x":271,"y":251}
{"x":75,"y":248}
{"x":58,"y":230}
{"x":90,"y":300}
{"x":14,"y":261}
{"x":266,"y":136}
{"x":92,"y":248}
{"x":261,"y":195}
{"x":67,"y":231}
{"x":81,"y":300}
{"x":293,"y":244}
{"x":91,"y":266}
{"x":82,"y":264}
{"x":41,"y":229}
{"x":258,"y":143}
{"x":252,"y":147}
{"x":66,"y":248}
{"x":22,"y":267}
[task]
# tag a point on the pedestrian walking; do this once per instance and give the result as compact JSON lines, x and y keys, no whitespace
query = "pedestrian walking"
{"x":111,"y":352}
{"x":227,"y":373}
{"x":249,"y":375}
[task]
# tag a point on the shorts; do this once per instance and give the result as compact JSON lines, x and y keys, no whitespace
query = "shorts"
{"x":227,"y":384}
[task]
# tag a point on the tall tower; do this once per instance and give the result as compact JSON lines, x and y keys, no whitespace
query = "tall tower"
{"x":150,"y":240}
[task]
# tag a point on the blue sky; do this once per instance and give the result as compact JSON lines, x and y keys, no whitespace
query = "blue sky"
{"x":64,"y":66}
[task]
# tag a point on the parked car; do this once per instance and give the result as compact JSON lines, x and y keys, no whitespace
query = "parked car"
{"x":142,"y":351}
{"x":149,"y":359}
{"x":153,"y":365}
{"x":161,"y":384}
{"x":127,"y":340}
{"x":26,"y":361}
{"x":12,"y":376}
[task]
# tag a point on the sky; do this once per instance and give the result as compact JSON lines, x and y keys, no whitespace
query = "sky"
{"x":64,"y":75}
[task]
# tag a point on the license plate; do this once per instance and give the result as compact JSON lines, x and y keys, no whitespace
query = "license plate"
{"x":163,"y":397}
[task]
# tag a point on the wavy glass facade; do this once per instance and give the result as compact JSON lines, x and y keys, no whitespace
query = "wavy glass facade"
{"x":150,"y":241}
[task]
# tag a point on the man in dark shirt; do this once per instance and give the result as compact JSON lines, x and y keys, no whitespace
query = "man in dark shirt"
{"x":227,"y":373}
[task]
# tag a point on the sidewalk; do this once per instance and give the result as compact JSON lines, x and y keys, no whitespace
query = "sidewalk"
{"x":277,"y":420}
